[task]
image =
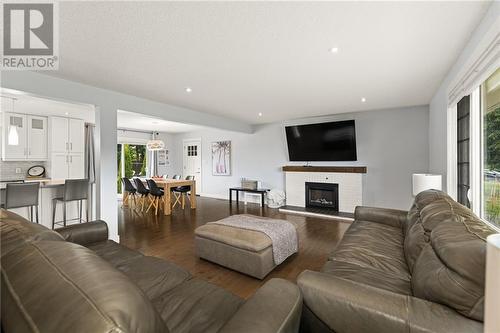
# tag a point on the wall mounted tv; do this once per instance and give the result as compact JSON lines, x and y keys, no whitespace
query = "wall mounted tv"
{"x":334,"y":141}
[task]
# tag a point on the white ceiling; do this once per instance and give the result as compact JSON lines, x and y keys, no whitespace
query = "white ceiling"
{"x":137,"y":121}
{"x":242,"y":58}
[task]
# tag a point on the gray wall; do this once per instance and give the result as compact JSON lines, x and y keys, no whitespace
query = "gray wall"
{"x":439,"y":103}
{"x":392,"y":143}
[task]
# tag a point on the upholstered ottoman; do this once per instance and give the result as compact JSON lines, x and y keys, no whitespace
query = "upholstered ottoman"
{"x":241,"y":249}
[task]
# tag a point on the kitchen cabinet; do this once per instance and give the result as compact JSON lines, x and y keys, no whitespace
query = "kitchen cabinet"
{"x":67,"y":137}
{"x":24,"y":137}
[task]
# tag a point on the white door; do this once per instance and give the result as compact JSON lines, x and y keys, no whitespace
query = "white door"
{"x":37,"y":138}
{"x":59,"y":166}
{"x":59,"y":134}
{"x":192,"y":161}
{"x":76,"y":135}
{"x":14,"y":137}
{"x":76,"y":166}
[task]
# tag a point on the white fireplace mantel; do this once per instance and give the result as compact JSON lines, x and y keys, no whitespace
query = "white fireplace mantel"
{"x":349,"y":179}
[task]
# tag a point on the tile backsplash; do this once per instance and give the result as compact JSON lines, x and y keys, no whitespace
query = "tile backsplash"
{"x":8,"y":169}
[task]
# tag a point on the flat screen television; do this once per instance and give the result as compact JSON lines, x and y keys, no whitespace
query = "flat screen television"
{"x":334,"y":141}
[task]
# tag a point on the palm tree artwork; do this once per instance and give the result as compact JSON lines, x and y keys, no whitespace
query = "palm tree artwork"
{"x":221,"y":158}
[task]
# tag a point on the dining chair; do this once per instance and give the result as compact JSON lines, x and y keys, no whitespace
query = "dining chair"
{"x":142,"y":190}
{"x":156,"y":194}
{"x":74,"y":190}
{"x":177,"y":177}
{"x":129,"y":189}
{"x":181,"y":192}
{"x":19,"y":195}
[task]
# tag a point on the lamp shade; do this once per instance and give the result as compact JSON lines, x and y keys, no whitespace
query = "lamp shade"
{"x":492,"y":289}
{"x":425,"y":181}
{"x":155,"y":145}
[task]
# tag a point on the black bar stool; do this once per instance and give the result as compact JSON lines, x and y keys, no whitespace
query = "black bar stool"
{"x":19,"y":195}
{"x":74,"y":190}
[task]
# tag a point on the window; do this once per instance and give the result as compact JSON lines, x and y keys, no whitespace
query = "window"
{"x":490,"y":108}
{"x":463,"y":157}
{"x":131,"y":162}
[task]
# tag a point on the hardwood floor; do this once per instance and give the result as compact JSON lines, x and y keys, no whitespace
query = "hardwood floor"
{"x":172,"y":238}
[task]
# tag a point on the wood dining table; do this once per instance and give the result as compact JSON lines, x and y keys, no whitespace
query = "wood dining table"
{"x":168,"y":184}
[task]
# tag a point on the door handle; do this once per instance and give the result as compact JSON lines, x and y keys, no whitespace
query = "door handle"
{"x":71,"y":146}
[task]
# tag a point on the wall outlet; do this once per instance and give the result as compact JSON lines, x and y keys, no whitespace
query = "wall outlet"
{"x":18,"y":170}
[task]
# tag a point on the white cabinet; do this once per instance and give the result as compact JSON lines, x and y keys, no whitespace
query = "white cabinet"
{"x":37,"y":138}
{"x":67,"y":137}
{"x":24,"y":137}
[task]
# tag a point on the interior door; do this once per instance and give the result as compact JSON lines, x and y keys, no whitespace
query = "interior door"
{"x":59,"y":169}
{"x":76,"y":135}
{"x":76,"y":166}
{"x":192,"y":161}
{"x":14,"y":140}
{"x":59,"y":134}
{"x":37,"y":138}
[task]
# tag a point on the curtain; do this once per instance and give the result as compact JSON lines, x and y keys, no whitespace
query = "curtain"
{"x":90,"y":164}
{"x":153,"y":165}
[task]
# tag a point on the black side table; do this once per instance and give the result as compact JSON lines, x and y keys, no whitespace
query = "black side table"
{"x":261,"y":191}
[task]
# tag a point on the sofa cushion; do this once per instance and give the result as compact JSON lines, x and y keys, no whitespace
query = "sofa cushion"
{"x":114,"y":253}
{"x":429,"y":209}
{"x":196,"y":306}
{"x":153,"y":275}
{"x":373,"y":245}
{"x":451,"y":267}
{"x":52,"y":286}
{"x":16,"y":231}
{"x":373,"y":277}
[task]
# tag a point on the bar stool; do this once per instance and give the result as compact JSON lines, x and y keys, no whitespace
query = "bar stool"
{"x":74,"y":190}
{"x":19,"y":195}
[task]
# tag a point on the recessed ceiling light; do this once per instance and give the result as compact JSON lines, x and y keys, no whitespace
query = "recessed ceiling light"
{"x":363,"y":99}
{"x":188,"y":89}
{"x":66,"y":113}
{"x":334,"y":50}
{"x":260,"y":114}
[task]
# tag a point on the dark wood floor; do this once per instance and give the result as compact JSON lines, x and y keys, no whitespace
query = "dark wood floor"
{"x":172,"y":238}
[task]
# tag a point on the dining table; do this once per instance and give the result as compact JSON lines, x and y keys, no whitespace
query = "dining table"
{"x":167,"y":184}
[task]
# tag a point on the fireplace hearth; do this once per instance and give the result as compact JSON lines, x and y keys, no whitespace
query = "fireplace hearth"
{"x":322,"y":195}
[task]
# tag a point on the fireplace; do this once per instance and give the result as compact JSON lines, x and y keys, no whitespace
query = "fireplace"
{"x":322,"y":195}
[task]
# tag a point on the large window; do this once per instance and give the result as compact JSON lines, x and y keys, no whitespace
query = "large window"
{"x":131,"y":162}
{"x":490,"y":107}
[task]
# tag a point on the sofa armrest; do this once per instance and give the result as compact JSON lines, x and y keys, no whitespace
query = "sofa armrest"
{"x":348,"y":306}
{"x":275,"y":307}
{"x":85,"y":233}
{"x":392,"y":217}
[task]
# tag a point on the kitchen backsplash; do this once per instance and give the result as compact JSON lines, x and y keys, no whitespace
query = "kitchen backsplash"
{"x":8,"y":169}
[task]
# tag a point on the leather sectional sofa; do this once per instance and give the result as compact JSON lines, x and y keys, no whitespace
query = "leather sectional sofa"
{"x":76,"y":280}
{"x":398,"y":271}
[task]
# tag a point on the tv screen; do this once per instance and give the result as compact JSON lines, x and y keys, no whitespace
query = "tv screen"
{"x":334,"y":141}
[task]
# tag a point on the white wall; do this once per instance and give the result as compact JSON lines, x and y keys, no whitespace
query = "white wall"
{"x":170,"y":145}
{"x":439,"y":103}
{"x":393,"y":144}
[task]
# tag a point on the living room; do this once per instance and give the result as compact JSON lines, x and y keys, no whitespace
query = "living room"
{"x":280,"y":167}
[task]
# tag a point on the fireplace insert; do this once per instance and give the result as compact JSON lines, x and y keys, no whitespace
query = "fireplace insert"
{"x":322,"y":195}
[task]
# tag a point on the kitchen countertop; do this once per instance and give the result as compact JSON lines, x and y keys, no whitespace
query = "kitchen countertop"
{"x":44,"y":182}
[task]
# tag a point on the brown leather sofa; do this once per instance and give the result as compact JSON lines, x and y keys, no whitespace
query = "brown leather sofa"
{"x":398,"y":271}
{"x":76,"y":280}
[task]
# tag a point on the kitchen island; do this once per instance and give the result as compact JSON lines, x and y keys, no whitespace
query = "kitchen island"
{"x":49,"y":189}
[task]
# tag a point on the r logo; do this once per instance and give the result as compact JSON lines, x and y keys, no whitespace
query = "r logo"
{"x":28,"y":29}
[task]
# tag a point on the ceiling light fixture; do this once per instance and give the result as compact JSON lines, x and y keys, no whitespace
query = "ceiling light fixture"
{"x":188,"y":90}
{"x":334,"y":50}
{"x":363,"y":99}
{"x":260,"y":114}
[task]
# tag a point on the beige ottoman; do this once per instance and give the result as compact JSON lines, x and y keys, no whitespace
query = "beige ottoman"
{"x":245,"y":251}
